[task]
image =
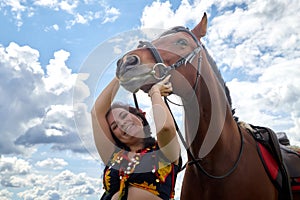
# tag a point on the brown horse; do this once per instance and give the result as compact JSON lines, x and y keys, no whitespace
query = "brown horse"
{"x":223,"y":159}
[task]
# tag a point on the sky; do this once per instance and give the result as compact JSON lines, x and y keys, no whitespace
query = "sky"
{"x":56,"y":55}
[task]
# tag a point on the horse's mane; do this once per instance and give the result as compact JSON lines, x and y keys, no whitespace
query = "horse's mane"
{"x":220,"y":78}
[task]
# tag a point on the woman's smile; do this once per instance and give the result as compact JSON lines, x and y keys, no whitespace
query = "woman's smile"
{"x":125,"y":124}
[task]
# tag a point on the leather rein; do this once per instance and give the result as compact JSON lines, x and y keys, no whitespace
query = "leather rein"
{"x":164,"y":71}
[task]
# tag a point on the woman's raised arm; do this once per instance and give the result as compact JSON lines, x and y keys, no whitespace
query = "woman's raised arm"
{"x":165,"y":127}
{"x":102,"y":136}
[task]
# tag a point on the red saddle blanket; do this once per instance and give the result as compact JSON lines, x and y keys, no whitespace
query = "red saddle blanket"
{"x":291,"y":160}
{"x":271,"y":156}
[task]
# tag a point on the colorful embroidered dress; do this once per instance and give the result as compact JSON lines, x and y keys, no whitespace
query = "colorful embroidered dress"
{"x":148,"y":170}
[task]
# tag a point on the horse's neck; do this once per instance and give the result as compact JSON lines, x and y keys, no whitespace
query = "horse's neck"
{"x":208,"y":117}
{"x":226,"y":146}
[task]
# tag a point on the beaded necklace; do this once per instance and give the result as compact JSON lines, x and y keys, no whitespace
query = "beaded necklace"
{"x":121,"y":158}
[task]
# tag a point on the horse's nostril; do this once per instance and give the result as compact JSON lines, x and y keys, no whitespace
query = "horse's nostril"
{"x":132,"y":60}
{"x":126,"y":63}
{"x":119,"y":62}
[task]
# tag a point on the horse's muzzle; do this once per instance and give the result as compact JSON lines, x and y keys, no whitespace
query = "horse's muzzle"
{"x":126,"y":63}
{"x":134,"y":75}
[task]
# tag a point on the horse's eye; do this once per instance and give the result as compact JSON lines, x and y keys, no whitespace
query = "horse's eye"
{"x":182,"y":42}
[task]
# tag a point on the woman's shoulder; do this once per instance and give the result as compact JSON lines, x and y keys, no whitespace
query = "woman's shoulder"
{"x":116,"y":156}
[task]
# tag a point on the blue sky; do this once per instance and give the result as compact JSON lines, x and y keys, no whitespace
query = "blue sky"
{"x":46,"y":45}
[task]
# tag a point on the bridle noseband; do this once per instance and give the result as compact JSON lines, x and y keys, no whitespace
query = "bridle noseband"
{"x":182,"y":61}
{"x":164,"y":71}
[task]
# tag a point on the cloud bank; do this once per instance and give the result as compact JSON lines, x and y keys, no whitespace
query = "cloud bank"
{"x":74,"y":14}
{"x":37,"y":108}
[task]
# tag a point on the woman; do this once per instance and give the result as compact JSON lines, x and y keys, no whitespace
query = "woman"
{"x":137,"y":165}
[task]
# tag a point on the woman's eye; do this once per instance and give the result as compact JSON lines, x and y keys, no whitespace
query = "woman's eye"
{"x":182,"y":42}
{"x":124,"y":115}
{"x":114,"y":126}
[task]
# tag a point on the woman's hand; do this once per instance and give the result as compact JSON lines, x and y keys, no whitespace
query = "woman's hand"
{"x":164,"y":123}
{"x":164,"y":87}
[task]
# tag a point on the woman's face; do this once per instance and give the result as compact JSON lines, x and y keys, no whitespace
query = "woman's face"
{"x":127,"y":127}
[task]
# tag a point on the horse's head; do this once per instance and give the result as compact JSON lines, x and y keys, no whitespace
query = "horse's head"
{"x":153,"y":61}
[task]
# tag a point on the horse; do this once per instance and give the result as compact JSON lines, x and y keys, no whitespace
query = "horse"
{"x":223,"y":160}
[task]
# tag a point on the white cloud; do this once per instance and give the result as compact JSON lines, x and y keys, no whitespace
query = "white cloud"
{"x":47,"y":3}
{"x":55,"y":27}
{"x":52,"y":163}
{"x":106,"y":15}
{"x":62,"y":189}
{"x":32,"y":184}
{"x":66,"y":185}
{"x":68,"y":5}
{"x":273,"y":100}
{"x":117,"y":50}
{"x":14,"y":166}
{"x":252,"y":28}
{"x":162,"y":17}
{"x":78,"y":19}
{"x":39,"y":101}
{"x":59,"y":77}
{"x":260,"y":29}
{"x":111,"y":14}
{"x":18,"y":66}
{"x":5,"y":194}
{"x":13,"y":170}
{"x":73,"y":14}
{"x":16,"y":8}
{"x":63,"y":5}
{"x":53,"y":4}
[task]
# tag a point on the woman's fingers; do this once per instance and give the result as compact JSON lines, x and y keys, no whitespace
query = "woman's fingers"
{"x":167,"y":90}
{"x":165,"y":87}
{"x":165,"y":80}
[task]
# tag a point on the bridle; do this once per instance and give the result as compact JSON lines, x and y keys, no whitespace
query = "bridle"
{"x":164,"y":71}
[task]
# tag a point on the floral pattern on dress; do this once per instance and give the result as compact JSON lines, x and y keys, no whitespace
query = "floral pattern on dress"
{"x":151,"y":188}
{"x":107,"y":179}
{"x":163,"y":171}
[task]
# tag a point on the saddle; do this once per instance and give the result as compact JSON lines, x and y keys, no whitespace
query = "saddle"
{"x":282,"y":164}
{"x":291,"y":159}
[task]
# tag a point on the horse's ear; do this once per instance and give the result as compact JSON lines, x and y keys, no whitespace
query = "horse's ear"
{"x":201,"y":28}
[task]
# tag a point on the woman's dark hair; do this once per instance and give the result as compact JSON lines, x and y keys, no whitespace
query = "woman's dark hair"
{"x":148,"y":139}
